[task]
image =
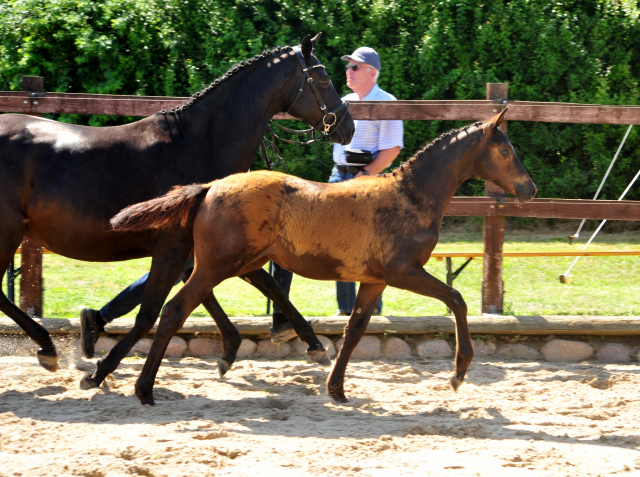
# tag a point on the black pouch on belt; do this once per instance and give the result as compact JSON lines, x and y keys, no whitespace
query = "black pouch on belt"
{"x":358,"y":157}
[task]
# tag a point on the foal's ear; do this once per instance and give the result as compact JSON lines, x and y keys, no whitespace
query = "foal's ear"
{"x":306,"y":48}
{"x":496,"y":120}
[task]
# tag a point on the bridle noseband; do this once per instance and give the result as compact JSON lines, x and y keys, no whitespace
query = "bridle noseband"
{"x":329,"y":120}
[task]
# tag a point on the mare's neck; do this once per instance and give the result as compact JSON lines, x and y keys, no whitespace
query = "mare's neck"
{"x":227,"y":124}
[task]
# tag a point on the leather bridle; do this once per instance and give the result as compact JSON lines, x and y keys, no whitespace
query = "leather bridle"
{"x":327,"y":126}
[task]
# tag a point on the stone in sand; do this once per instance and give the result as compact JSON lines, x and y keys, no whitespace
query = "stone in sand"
{"x":519,"y":351}
{"x":369,"y":347}
{"x":177,"y":347}
{"x":564,"y":350}
{"x":273,"y":351}
{"x":246,"y":349}
{"x":434,"y":349}
{"x":203,"y":347}
{"x":614,"y":353}
{"x":397,"y":349}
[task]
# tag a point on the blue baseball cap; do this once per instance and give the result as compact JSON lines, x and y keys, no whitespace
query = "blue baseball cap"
{"x":364,"y":54}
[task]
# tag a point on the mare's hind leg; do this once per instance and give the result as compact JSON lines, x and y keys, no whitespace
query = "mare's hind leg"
{"x":231,"y":338}
{"x":366,"y":301}
{"x":47,"y":355}
{"x":167,"y":264}
{"x":419,"y":281}
{"x":174,"y":314}
{"x":270,"y":288}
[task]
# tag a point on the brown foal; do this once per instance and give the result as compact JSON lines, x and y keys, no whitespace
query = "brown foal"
{"x":378,"y":231}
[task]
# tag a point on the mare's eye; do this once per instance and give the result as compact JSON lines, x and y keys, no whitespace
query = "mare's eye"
{"x":505,"y":152}
{"x":325,"y":82}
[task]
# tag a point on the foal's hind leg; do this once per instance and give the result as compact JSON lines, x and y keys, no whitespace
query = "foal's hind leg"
{"x":174,"y":314}
{"x":47,"y":355}
{"x":270,"y":288}
{"x":366,"y":301}
{"x":419,"y":281}
{"x":231,"y":338}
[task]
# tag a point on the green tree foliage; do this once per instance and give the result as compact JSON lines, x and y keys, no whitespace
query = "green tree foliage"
{"x":585,"y":51}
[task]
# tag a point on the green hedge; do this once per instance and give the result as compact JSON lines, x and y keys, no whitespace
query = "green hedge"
{"x":581,"y":51}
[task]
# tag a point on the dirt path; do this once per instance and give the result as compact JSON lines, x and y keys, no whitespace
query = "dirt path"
{"x":272,"y":418}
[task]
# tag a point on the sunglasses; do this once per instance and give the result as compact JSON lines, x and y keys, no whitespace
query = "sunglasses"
{"x":356,"y":67}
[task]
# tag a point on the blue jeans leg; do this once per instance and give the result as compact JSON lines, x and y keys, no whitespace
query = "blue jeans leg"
{"x":131,"y":296}
{"x":283,"y":277}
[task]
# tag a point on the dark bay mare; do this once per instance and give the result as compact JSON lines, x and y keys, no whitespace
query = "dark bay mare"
{"x":60,"y":183}
{"x":378,"y":231}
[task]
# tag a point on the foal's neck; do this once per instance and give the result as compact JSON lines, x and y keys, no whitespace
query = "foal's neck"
{"x":433,"y":175}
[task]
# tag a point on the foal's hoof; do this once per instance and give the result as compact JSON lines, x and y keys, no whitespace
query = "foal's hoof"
{"x":287,"y":332}
{"x":223,"y":367}
{"x":340,"y":398}
{"x":48,"y":360}
{"x":320,"y":357}
{"x":455,"y":382}
{"x":87,"y":382}
{"x":145,"y":398}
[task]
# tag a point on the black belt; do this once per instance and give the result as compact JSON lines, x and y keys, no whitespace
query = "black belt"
{"x":349,"y":169}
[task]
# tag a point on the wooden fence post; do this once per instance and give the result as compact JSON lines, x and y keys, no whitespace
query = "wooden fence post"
{"x":31,"y":268}
{"x":493,"y":231}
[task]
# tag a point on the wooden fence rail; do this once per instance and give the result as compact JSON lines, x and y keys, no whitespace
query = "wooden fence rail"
{"x":494,"y":207}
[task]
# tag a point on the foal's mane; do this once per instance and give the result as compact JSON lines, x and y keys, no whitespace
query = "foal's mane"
{"x":421,"y":152}
{"x":233,"y":70}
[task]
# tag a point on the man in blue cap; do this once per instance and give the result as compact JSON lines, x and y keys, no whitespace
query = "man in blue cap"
{"x":378,"y":141}
{"x":374,"y":146}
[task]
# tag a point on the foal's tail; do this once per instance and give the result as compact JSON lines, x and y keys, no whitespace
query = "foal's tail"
{"x":176,"y":206}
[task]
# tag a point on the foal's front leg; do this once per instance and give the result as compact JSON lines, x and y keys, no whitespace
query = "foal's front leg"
{"x":419,"y":281}
{"x":366,"y":301}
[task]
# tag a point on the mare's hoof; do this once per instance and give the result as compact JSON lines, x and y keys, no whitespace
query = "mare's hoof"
{"x":89,"y":331}
{"x":87,"y":382}
{"x":223,"y":367}
{"x":320,"y":357}
{"x":48,"y":360}
{"x":287,"y":332}
{"x":455,"y":382}
{"x":145,"y":398}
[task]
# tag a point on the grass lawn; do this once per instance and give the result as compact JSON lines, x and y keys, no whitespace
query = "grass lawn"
{"x":601,"y":286}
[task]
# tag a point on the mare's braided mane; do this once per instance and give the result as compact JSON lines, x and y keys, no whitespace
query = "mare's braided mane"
{"x":409,"y":162}
{"x":233,"y":70}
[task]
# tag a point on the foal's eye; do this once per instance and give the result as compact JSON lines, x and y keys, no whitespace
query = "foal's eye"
{"x":505,"y":152}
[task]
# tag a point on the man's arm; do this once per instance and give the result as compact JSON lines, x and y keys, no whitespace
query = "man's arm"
{"x":382,"y":160}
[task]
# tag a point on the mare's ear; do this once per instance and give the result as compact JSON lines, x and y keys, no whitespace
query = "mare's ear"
{"x":496,"y":120}
{"x":306,"y":48}
{"x":315,"y":39}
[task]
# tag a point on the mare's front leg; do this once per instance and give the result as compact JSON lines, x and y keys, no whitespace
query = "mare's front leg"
{"x":174,"y":314}
{"x":366,"y":301}
{"x":417,"y":280}
{"x":270,"y":288}
{"x":169,"y":258}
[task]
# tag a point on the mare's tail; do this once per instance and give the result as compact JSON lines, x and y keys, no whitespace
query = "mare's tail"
{"x":179,"y":205}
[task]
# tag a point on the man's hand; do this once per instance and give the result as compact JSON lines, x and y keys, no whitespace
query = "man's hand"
{"x":382,"y":160}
